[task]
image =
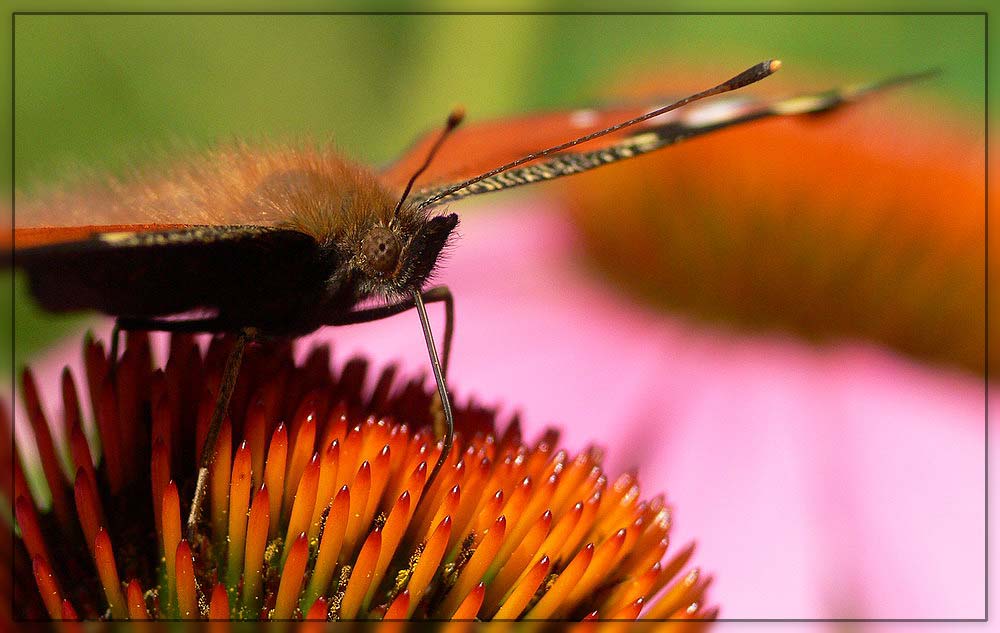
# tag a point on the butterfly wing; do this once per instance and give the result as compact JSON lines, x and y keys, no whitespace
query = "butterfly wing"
{"x":278,"y":186}
{"x":673,"y":127}
{"x":479,"y":146}
{"x":243,"y":275}
{"x":233,"y":232}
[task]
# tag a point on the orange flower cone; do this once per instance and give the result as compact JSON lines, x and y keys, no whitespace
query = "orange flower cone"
{"x":332,"y":517}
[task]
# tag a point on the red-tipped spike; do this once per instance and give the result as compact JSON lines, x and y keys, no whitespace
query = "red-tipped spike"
{"x":187,"y":588}
{"x":109,"y":424}
{"x":258,"y":526}
{"x":318,"y":611}
{"x":88,"y":506}
{"x":359,"y":500}
{"x":361,"y":576}
{"x":329,"y":547}
{"x":219,"y":479}
{"x":392,"y":533}
{"x":27,"y":519}
{"x":683,"y":592}
{"x":399,"y":608}
{"x":628,"y":592}
{"x":108,"y":571}
{"x":473,"y":571}
{"x":630,"y":612}
{"x":523,"y":591}
{"x":163,"y":419}
{"x":380,"y":478}
{"x":80,"y":452}
{"x":291,"y":578}
{"x":129,"y":383}
{"x":336,"y":425}
{"x":159,"y":466}
{"x":472,"y":497}
{"x":447,"y":507}
{"x":46,"y":449}
{"x":170,"y":533}
{"x":325,"y":488}
{"x":489,"y":512}
{"x":47,"y":587}
{"x":218,"y":607}
{"x":415,"y":484}
{"x":510,"y":570}
{"x":303,"y":448}
{"x":255,"y":436}
{"x":274,"y":474}
{"x":553,"y":603}
{"x":304,"y":500}
{"x":470,"y":606}
{"x":95,"y":367}
{"x":600,"y":567}
{"x":239,"y":504}
{"x":136,"y":601}
{"x":71,"y":403}
{"x":427,"y":566}
{"x":535,"y":506}
{"x":350,"y":451}
{"x":68,"y":612}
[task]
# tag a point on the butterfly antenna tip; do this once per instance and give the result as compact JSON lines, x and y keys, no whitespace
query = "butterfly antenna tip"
{"x":456,"y":117}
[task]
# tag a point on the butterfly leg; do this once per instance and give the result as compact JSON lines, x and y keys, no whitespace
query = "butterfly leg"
{"x":434,"y":295}
{"x":230,"y":373}
{"x":437,"y":294}
{"x":208,"y":449}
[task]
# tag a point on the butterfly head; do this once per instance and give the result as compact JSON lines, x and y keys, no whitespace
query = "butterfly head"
{"x":396,"y":258}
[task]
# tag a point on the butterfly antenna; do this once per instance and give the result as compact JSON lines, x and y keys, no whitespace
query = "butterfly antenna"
{"x":745,"y":78}
{"x":827,"y":101}
{"x":860,"y":90}
{"x":454,"y":119}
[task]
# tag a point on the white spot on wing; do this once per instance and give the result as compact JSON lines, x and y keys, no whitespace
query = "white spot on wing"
{"x":713,"y":113}
{"x":117,"y":237}
{"x":583,"y":118}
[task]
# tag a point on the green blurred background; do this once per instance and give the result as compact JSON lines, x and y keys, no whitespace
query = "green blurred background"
{"x":105,"y":92}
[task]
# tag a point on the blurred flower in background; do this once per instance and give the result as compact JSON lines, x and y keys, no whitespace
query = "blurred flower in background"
{"x":866,"y":223}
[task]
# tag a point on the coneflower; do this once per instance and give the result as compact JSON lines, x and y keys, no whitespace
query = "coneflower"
{"x":320,"y":506}
{"x":865,"y":223}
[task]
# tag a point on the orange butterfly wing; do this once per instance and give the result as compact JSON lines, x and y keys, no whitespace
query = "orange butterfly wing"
{"x":217,"y":189}
{"x":288,"y":187}
{"x":499,"y":155}
{"x":477,"y":147}
{"x":37,"y":236}
{"x":295,"y":187}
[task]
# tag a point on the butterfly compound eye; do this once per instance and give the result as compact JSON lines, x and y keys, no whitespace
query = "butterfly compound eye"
{"x":381,"y":249}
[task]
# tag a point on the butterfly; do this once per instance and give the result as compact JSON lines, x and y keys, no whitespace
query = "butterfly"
{"x":285,"y":240}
